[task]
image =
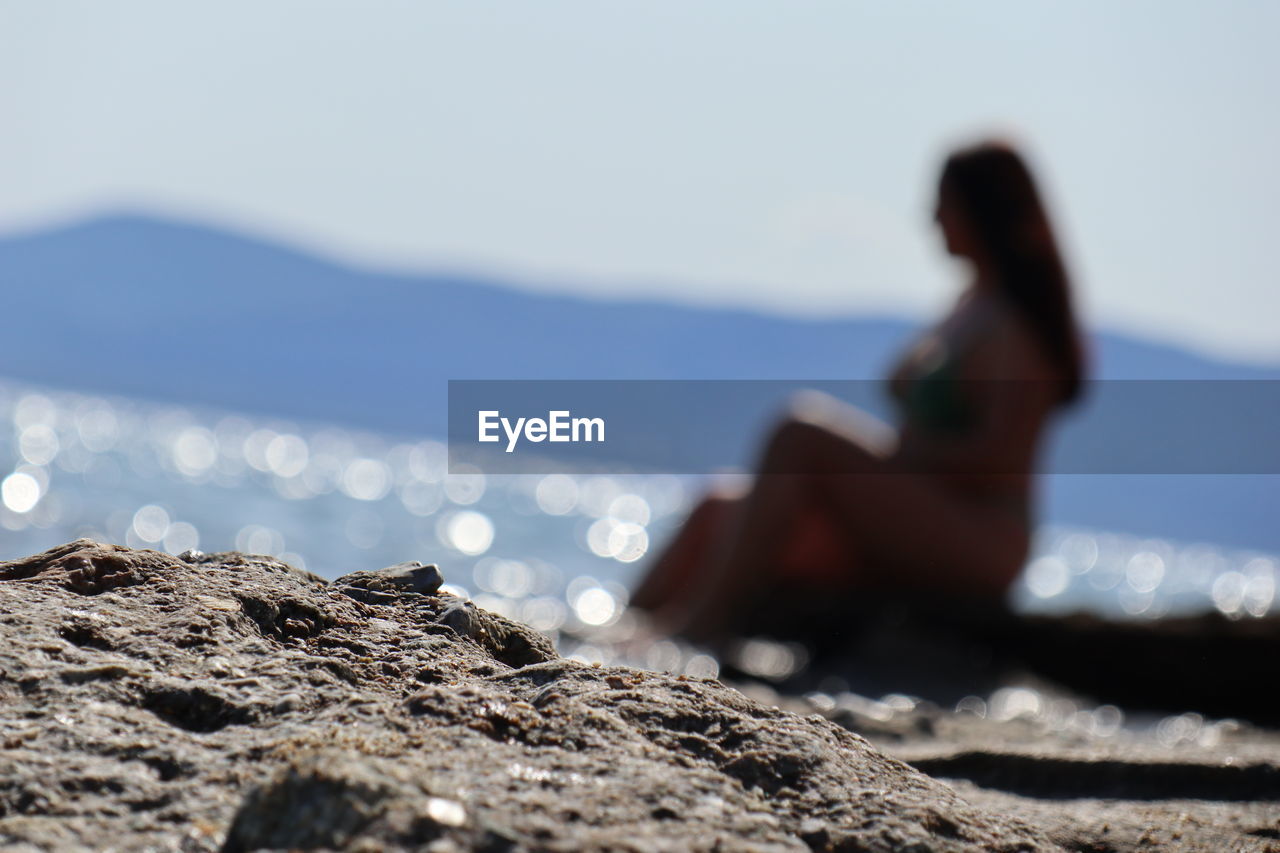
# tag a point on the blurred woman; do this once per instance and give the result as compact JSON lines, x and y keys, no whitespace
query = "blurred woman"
{"x":842,"y":502}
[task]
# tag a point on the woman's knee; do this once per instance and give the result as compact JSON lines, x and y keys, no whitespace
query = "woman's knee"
{"x":812,"y":416}
{"x":800,"y":446}
{"x":791,"y":441}
{"x":840,"y":417}
{"x":713,"y":509}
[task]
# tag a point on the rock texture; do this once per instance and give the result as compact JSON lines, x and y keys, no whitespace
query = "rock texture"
{"x":1215,"y":786}
{"x":233,"y":702}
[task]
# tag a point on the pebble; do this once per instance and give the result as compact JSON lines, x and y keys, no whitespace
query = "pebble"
{"x":382,"y":585}
{"x":446,"y":812}
{"x":413,"y":576}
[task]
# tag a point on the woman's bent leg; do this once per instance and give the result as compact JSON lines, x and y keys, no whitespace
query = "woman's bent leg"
{"x":786,"y":488}
{"x":675,"y":573}
{"x":903,"y":530}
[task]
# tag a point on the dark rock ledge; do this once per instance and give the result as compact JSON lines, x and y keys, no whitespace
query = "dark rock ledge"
{"x":233,"y":702}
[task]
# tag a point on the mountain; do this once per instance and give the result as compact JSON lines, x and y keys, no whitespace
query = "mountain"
{"x":178,"y":312}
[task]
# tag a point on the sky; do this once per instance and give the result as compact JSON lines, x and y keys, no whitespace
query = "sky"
{"x":775,"y":155}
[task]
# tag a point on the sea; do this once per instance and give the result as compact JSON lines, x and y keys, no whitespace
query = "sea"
{"x":557,"y":551}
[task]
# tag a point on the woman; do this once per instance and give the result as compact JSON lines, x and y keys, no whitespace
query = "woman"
{"x":842,"y":502}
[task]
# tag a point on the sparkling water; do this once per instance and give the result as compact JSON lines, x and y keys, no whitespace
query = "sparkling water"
{"x":557,"y":551}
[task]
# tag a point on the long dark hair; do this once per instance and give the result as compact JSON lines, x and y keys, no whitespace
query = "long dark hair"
{"x":995,"y":191}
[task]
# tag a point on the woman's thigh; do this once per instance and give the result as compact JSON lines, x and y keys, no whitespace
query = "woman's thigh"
{"x":913,"y":532}
{"x":908,"y":525}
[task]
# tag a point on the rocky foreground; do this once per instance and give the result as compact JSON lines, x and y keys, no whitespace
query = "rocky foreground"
{"x":230,"y":702}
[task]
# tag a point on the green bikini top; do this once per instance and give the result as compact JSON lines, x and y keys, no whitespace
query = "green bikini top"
{"x":931,"y":395}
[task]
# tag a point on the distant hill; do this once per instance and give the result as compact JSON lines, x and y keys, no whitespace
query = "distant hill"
{"x":178,"y":312}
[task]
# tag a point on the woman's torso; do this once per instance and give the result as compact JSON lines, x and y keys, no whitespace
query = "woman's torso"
{"x":973,"y":394}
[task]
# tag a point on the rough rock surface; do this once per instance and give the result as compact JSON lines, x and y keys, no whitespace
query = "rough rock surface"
{"x":233,"y":702}
{"x":1214,"y":788}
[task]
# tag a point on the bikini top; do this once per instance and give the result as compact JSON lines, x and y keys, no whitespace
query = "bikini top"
{"x":929,"y":391}
{"x":931,"y":396}
{"x":927,"y":384}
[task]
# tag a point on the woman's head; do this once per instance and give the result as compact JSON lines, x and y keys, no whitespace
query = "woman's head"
{"x":990,"y":211}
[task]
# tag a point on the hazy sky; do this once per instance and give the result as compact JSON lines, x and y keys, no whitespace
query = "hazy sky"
{"x":774,"y":154}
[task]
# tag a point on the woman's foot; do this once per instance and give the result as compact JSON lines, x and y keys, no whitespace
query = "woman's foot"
{"x":709,"y":619}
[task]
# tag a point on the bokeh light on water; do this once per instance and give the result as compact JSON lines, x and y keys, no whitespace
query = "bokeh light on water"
{"x":1131,"y":577}
{"x":329,"y":499}
{"x":556,"y":551}
{"x":21,"y":491}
